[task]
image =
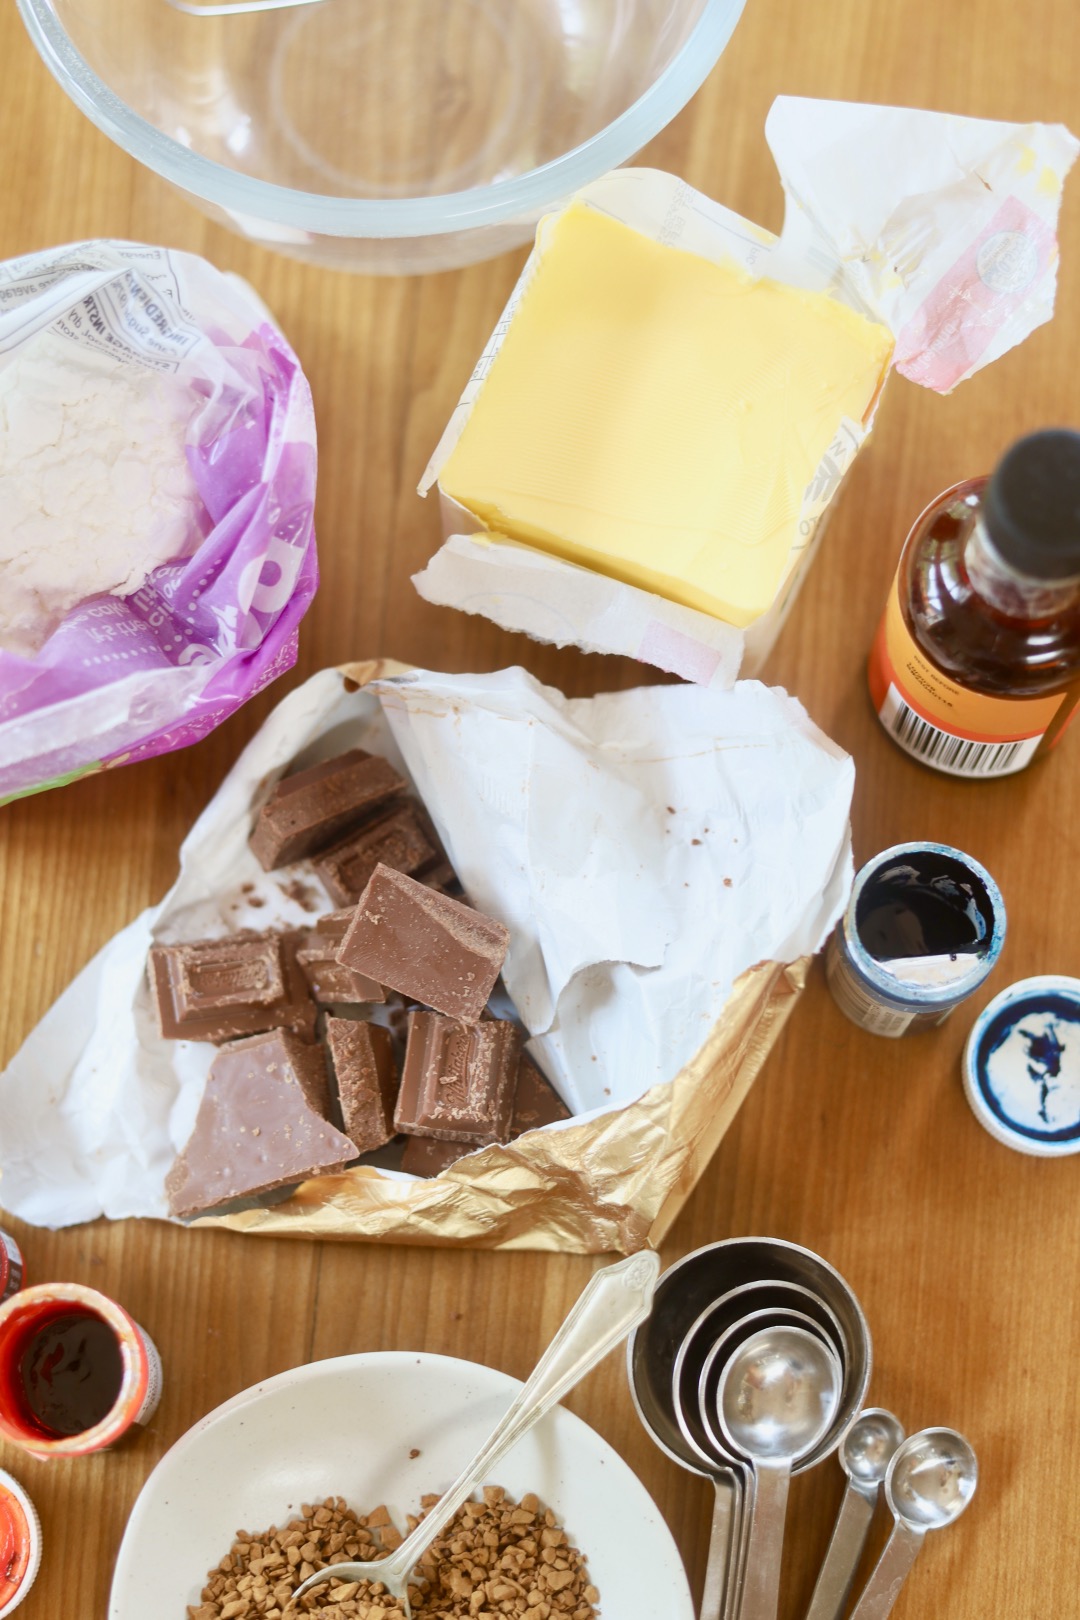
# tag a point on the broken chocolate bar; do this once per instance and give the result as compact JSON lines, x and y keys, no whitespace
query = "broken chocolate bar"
{"x":261,"y":1124}
{"x":328,"y":982}
{"x":423,"y":1156}
{"x":458,"y":1081}
{"x":536,"y":1102}
{"x":217,"y":989}
{"x":313,"y":808}
{"x":399,"y":840}
{"x":367,"y":1080}
{"x":427,"y":946}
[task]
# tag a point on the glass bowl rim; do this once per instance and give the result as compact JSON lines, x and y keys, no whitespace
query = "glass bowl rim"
{"x":519,"y":196}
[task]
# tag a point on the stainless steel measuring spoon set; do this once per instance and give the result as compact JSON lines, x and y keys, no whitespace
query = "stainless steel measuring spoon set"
{"x":754,"y":1364}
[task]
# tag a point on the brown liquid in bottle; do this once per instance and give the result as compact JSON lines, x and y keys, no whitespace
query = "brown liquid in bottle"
{"x":1019,"y":644}
{"x":983,"y":627}
{"x":71,"y":1373}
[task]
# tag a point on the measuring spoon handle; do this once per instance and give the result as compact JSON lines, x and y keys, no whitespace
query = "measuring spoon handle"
{"x":845,"y":1550}
{"x":890,"y":1572}
{"x":765,"y":1541}
{"x":718,"y":1570}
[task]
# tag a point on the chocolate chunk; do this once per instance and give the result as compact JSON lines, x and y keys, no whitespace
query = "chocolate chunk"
{"x":399,"y":840}
{"x":536,"y":1102}
{"x":423,"y":1156}
{"x":442,"y":877}
{"x":328,"y":982}
{"x":336,"y":923}
{"x":458,"y":1081}
{"x":217,"y":989}
{"x":313,"y":808}
{"x":262,"y":1123}
{"x":434,"y":949}
{"x":367,"y":1080}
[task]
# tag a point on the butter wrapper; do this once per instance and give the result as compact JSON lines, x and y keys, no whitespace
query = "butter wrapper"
{"x":665,"y":860}
{"x":941,"y":228}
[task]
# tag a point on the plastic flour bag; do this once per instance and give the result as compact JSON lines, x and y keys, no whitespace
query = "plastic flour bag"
{"x":157,"y":489}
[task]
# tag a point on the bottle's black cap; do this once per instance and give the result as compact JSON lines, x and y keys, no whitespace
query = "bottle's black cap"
{"x":1031,"y":505}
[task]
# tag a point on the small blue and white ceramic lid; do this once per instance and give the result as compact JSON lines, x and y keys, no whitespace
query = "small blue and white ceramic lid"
{"x":1022,"y":1066}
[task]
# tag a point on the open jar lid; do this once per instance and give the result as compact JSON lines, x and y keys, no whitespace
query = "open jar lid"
{"x":1022,"y":1066}
{"x":20,"y":1544}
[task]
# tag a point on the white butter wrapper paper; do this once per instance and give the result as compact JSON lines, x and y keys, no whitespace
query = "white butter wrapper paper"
{"x":942,"y":228}
{"x":644,"y":849}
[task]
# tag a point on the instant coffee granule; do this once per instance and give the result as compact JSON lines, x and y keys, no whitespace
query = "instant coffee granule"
{"x":497,"y":1558}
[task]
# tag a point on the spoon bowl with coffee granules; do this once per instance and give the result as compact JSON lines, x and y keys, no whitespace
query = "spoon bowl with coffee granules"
{"x":613,"y":1302}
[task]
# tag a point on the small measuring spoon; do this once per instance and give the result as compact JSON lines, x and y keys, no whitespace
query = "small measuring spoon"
{"x":865,"y":1453}
{"x":777,"y":1397}
{"x":612,"y":1302}
{"x":929,"y":1483}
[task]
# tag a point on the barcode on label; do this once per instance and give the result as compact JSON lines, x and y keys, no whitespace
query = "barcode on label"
{"x":960,"y":756}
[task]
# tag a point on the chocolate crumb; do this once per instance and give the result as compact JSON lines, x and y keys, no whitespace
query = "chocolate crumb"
{"x":301,"y":893}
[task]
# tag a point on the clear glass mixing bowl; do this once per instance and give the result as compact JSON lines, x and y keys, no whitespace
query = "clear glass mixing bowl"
{"x":381,"y":135}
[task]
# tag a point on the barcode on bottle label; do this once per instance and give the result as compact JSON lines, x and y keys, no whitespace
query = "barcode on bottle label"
{"x":959,"y":756}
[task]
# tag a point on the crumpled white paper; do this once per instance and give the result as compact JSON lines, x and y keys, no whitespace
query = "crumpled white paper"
{"x":942,"y":228}
{"x":644,"y":848}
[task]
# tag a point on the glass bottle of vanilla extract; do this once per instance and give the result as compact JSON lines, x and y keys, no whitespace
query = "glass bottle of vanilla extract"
{"x":976,"y":666}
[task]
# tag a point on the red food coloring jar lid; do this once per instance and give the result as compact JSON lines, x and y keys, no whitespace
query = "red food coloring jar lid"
{"x":20,"y":1544}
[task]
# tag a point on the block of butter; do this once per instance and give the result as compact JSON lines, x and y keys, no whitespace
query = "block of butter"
{"x":645,"y":457}
{"x":657,"y":416}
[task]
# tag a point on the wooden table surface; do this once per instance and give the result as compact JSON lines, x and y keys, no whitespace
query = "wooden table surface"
{"x":964,"y":1254}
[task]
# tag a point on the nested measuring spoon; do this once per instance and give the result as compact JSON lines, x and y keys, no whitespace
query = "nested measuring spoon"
{"x":865,"y":1453}
{"x":714,"y":1364}
{"x":702,"y":1426}
{"x":750,"y":1303}
{"x":777,"y":1398}
{"x":929,"y":1483}
{"x":652,"y":1349}
{"x":611,"y":1303}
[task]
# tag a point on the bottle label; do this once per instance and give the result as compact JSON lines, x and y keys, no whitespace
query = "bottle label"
{"x":942,"y":723}
{"x":856,"y":1003}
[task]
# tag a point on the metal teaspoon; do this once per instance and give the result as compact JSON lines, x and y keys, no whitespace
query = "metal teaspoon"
{"x":930,"y":1482}
{"x":865,"y":1454}
{"x":612,"y":1302}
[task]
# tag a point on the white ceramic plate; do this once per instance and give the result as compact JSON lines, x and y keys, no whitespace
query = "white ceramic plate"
{"x":346,"y":1427}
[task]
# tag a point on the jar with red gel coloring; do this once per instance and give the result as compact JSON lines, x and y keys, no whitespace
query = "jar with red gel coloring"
{"x":76,"y":1372}
{"x":20,"y":1544}
{"x":12,"y":1270}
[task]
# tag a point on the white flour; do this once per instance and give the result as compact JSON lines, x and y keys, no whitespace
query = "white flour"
{"x":95,"y":490}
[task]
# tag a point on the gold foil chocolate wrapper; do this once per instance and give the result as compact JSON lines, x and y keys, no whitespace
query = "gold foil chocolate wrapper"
{"x":614,"y":1182}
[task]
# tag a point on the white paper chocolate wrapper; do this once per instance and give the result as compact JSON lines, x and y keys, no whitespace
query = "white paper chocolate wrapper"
{"x":942,"y":228}
{"x":659,"y":856}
